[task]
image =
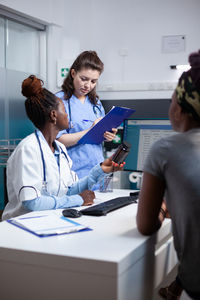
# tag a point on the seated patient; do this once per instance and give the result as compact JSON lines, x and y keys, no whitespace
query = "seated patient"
{"x":172,"y":169}
{"x":39,"y":174}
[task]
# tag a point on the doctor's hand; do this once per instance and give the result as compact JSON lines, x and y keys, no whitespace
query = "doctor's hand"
{"x":88,"y":197}
{"x":109,"y":136}
{"x":109,"y":166}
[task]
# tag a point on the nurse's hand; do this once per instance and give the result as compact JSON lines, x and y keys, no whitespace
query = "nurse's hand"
{"x":88,"y":197}
{"x":109,"y":136}
{"x":109,"y":166}
{"x":96,"y":121}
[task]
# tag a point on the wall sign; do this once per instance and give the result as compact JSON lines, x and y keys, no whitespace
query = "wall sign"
{"x":63,"y":67}
{"x":173,"y":43}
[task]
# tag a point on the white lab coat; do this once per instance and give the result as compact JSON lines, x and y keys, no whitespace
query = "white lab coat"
{"x":25,"y":174}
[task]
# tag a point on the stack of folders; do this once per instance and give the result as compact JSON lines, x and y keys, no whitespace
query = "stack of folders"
{"x":47,"y":224}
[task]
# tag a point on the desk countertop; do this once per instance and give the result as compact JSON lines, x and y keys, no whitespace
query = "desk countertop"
{"x":112,"y":246}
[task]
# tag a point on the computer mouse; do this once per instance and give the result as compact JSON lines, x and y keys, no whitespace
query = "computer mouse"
{"x":71,"y":213}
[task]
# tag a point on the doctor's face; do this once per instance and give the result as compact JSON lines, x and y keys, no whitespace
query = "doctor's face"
{"x":62,"y":118}
{"x":85,"y":81}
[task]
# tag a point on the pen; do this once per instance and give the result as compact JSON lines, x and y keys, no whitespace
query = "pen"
{"x":88,"y":121}
{"x":34,"y":217}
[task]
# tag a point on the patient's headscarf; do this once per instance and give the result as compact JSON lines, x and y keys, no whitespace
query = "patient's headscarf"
{"x":188,"y":88}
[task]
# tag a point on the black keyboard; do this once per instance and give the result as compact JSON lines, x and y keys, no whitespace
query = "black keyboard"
{"x":103,"y":208}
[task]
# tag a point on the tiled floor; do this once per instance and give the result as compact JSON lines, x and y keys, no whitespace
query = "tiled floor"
{"x":185,"y":297}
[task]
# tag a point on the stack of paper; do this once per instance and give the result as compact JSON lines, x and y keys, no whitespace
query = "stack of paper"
{"x":47,"y":224}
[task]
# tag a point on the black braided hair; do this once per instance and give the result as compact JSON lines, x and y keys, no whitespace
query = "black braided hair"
{"x":39,"y":101}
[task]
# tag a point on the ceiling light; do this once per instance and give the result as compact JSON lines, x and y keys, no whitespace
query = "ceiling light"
{"x":180,"y":67}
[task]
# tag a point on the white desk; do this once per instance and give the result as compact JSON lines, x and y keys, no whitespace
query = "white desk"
{"x":111,"y":262}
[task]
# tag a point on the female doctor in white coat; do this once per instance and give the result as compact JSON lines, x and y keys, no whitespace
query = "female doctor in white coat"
{"x":39,"y":175}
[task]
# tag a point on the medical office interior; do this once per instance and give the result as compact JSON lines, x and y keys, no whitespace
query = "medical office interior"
{"x":138,"y":41}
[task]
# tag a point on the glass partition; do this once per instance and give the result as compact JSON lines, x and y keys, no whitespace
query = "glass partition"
{"x":19,"y":125}
{"x":25,"y":42}
{"x":2,"y":43}
{"x":20,"y":55}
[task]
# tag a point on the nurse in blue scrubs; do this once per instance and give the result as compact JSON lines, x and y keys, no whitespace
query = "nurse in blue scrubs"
{"x":84,"y":110}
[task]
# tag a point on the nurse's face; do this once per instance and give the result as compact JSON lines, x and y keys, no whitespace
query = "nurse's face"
{"x":84,"y":81}
{"x":62,"y":118}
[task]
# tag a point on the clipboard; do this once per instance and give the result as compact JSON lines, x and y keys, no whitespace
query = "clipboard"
{"x":47,"y":225}
{"x":111,"y":120}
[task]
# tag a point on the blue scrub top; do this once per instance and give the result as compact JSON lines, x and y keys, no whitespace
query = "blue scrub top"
{"x":84,"y":156}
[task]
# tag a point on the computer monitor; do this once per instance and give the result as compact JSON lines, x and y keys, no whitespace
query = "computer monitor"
{"x":141,"y":134}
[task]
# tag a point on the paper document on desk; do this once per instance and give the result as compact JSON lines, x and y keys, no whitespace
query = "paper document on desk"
{"x":111,"y":120}
{"x":47,"y":225}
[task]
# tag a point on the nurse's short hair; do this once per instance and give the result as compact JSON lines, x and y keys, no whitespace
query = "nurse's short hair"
{"x":39,"y":102}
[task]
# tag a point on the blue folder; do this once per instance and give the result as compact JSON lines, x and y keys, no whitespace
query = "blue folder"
{"x":54,"y":229}
{"x":111,"y":120}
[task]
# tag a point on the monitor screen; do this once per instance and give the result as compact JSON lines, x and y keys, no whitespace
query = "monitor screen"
{"x":141,"y":134}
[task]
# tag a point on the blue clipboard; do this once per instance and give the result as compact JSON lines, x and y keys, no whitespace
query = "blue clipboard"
{"x":111,"y":120}
{"x":76,"y":227}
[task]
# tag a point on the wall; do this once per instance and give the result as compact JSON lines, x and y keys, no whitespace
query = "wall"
{"x":127,"y":34}
{"x":46,"y":11}
{"x":135,"y":27}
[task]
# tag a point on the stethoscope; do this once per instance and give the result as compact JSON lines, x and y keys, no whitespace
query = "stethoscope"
{"x":44,"y":182}
{"x":96,"y":110}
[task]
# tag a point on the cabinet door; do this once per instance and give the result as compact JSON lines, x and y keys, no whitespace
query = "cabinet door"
{"x":165,"y":261}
